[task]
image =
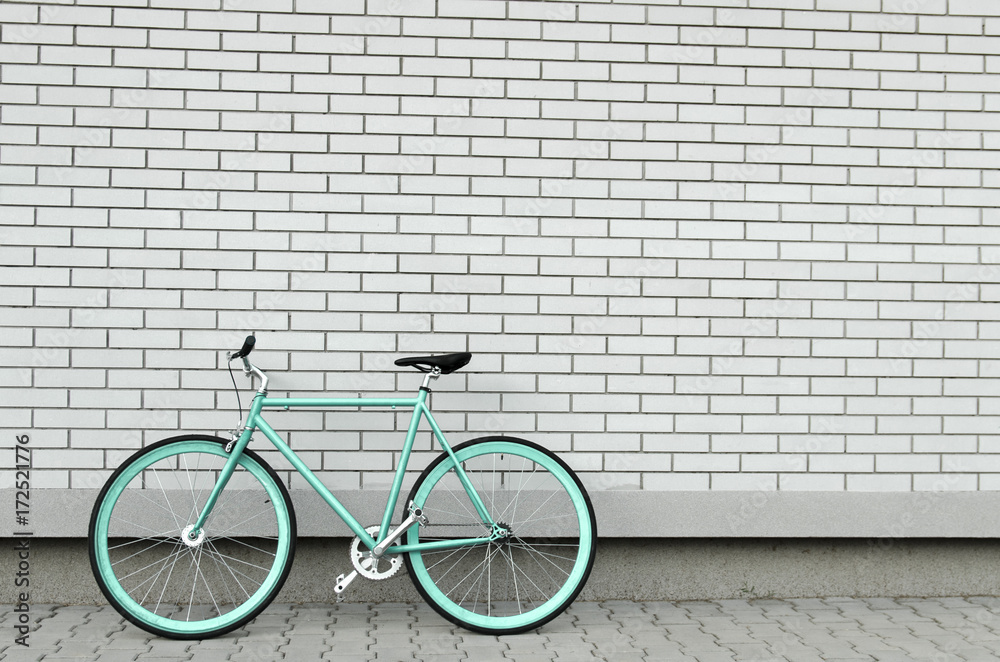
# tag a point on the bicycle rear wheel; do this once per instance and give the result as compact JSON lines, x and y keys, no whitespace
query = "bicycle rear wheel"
{"x":160,"y":579}
{"x":521,"y":581}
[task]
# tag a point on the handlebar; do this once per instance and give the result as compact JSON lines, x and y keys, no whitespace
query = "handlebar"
{"x":246,"y":349}
{"x":249,"y":368}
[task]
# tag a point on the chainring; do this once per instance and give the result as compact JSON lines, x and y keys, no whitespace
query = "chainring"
{"x":367,"y":565}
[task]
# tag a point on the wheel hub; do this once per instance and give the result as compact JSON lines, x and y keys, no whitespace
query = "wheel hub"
{"x":501,"y":533}
{"x":189,"y":537}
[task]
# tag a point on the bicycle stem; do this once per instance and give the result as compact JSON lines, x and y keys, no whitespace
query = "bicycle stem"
{"x":251,"y":369}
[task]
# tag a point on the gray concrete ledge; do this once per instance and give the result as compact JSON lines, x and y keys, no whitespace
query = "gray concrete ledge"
{"x":641,"y":514}
{"x":626,"y":569}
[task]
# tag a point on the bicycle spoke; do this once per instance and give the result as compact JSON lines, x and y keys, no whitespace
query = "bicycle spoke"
{"x":158,"y":536}
{"x":141,"y":493}
{"x":236,"y":559}
{"x":195,"y":562}
{"x":187,"y":474}
{"x":520,"y":487}
{"x":512,"y":576}
{"x":152,"y":578}
{"x":544,"y":570}
{"x":218,"y":557}
{"x":542,"y":505}
{"x":141,"y":551}
{"x":543,"y":595}
{"x":453,"y":566}
{"x":525,"y":545}
{"x":248,"y":545}
{"x":439,"y":511}
{"x":169,"y":508}
{"x":150,"y":565}
{"x":450,"y":553}
{"x":485,"y":565}
{"x":263,"y":513}
{"x":454,"y":494}
{"x":173,"y":563}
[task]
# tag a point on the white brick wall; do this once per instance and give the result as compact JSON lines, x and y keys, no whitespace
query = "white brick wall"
{"x":749,"y":246}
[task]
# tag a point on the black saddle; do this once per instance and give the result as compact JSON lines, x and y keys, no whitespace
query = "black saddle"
{"x":447,"y":363}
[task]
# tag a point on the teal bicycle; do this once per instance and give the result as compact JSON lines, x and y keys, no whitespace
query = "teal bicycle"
{"x":193,"y":536}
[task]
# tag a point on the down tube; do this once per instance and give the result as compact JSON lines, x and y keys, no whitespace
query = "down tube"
{"x":311,"y":478}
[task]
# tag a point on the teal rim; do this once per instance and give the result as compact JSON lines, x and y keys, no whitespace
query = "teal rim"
{"x":580,"y":566}
{"x":152,"y":619}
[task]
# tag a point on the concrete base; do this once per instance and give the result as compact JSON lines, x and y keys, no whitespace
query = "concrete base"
{"x":752,"y":514}
{"x":626,"y":569}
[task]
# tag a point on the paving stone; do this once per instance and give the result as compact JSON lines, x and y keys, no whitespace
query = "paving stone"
{"x":431,"y":641}
{"x":117,"y":655}
{"x":573,"y":651}
{"x":714,"y":657}
{"x":619,"y":656}
{"x":593,"y":618}
{"x":207,"y":655}
{"x":976,"y":655}
{"x":25,"y":654}
{"x":812,"y":605}
{"x":750,"y":651}
{"x":126,"y":640}
{"x":396,"y":654}
{"x":347,"y":636}
{"x":808,"y":630}
{"x":732,"y":636}
{"x":71,"y":648}
{"x":393,"y":640}
{"x":337,"y":655}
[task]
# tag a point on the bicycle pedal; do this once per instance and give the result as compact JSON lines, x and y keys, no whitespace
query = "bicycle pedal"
{"x":417,"y":514}
{"x":343,"y":581}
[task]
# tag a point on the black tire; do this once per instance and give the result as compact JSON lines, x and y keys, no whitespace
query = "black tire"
{"x":137,"y":507}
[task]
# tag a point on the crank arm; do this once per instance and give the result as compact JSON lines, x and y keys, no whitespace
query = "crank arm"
{"x":416,"y":516}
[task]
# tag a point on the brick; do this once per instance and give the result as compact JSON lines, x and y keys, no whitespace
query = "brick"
{"x":768,"y":204}
{"x":19,"y":14}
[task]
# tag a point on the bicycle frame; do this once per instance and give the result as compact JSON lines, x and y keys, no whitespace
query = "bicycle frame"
{"x":420,"y":410}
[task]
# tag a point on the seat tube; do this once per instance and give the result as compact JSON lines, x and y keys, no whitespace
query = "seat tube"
{"x":397,"y":482}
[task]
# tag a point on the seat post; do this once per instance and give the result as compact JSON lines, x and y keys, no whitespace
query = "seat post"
{"x":433,"y":374}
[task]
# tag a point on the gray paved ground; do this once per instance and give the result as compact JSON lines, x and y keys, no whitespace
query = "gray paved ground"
{"x":808,"y":630}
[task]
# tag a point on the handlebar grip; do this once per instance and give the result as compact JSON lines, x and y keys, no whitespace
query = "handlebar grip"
{"x":246,"y":349}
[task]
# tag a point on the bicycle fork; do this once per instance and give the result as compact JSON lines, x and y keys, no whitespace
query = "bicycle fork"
{"x":233,"y":449}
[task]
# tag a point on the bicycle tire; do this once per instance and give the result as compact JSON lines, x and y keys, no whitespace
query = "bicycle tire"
{"x":202,"y":589}
{"x":530,"y":577}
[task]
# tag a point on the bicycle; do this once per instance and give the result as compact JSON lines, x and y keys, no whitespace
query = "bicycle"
{"x":193,"y":536}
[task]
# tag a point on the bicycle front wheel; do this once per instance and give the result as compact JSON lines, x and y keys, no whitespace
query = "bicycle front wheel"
{"x":520,"y":581}
{"x":160,"y":579}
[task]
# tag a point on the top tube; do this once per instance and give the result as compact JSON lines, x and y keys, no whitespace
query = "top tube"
{"x":340,"y":402}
